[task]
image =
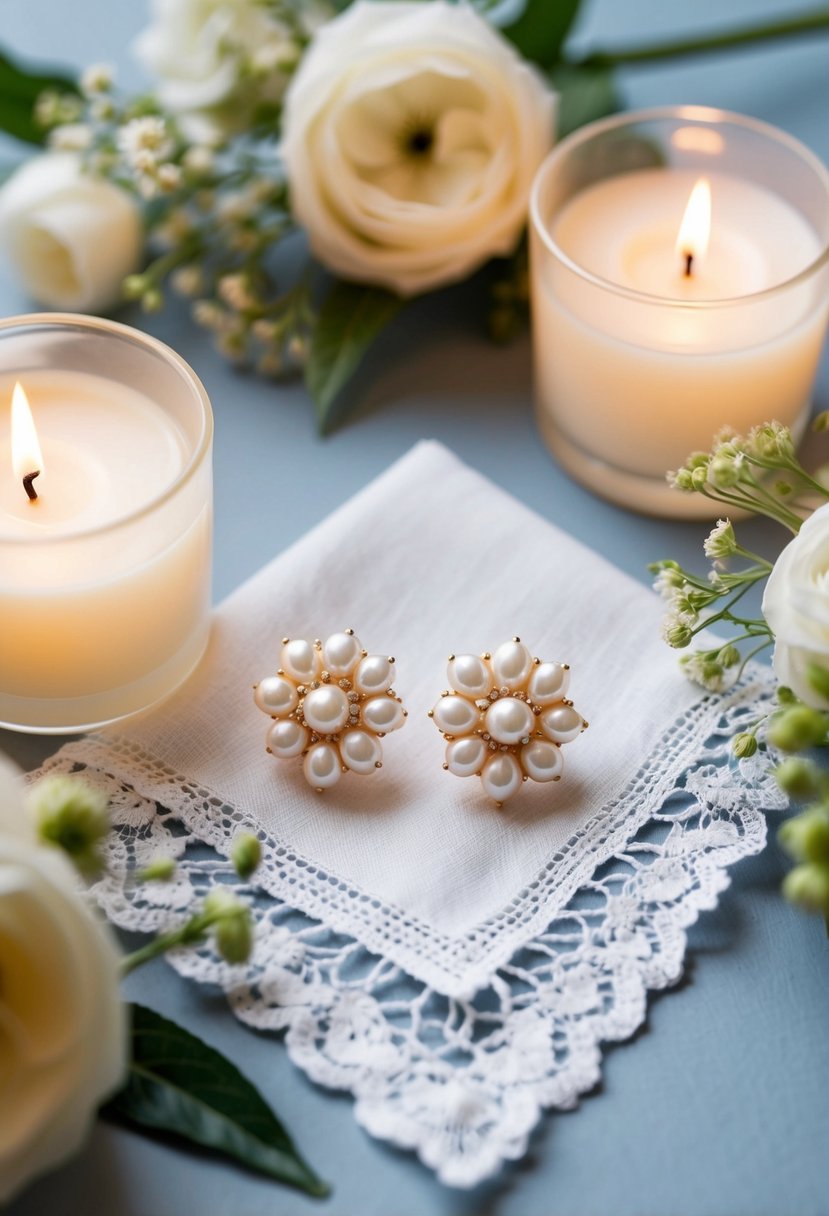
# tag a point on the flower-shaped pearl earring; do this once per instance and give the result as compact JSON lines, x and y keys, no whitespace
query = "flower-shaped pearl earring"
{"x":506,"y":719}
{"x":331,"y":703}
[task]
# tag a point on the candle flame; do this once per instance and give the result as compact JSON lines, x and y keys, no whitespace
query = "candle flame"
{"x":27,"y":458}
{"x":695,"y":229}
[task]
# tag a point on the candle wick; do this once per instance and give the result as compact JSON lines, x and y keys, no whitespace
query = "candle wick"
{"x":27,"y":484}
{"x":689,"y":262}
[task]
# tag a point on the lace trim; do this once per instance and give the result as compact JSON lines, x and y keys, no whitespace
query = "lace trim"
{"x":463,"y":1080}
{"x":457,"y":966}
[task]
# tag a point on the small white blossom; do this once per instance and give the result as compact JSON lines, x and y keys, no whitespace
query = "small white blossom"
{"x":667,"y":582}
{"x":200,"y":159}
{"x":169,"y":177}
{"x":234,"y":290}
{"x":210,"y":315}
{"x":97,"y":78}
{"x":720,"y":542}
{"x":706,"y":672}
{"x":71,"y":137}
{"x":188,"y":280}
{"x":145,"y":142}
{"x":266,"y":331}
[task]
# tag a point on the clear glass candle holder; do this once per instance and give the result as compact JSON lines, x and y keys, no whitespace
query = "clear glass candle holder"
{"x":105,"y":577}
{"x":633,"y":370}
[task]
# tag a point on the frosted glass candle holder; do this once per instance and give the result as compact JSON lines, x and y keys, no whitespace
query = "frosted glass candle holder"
{"x":638,"y":363}
{"x":105,"y":576}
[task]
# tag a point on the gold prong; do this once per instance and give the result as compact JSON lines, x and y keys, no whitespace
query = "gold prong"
{"x":430,"y":714}
{"x":391,"y":658}
{"x":378,"y":763}
{"x":499,"y":805}
{"x":566,"y":666}
{"x":584,"y":724}
{"x":486,"y":655}
{"x":320,"y":789}
{"x":269,"y":751}
{"x":255,"y":686}
{"x":525,"y":778}
{"x":516,"y":639}
{"x":451,"y":658}
{"x":558,"y":778}
{"x":537,"y":662}
{"x":285,"y":641}
{"x":446,"y":768}
{"x":350,"y":632}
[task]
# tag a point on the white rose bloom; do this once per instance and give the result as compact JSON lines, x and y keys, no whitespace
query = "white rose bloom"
{"x":212,"y":59}
{"x":796,"y":606}
{"x":72,"y":238}
{"x":411,"y":135}
{"x":62,"y":1022}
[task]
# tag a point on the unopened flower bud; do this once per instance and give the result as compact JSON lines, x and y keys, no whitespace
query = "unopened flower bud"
{"x":160,"y":869}
{"x":70,"y":814}
{"x":797,"y":728}
{"x":798,"y":778}
{"x":723,"y":472}
{"x":744,"y":745}
{"x":806,"y":837}
{"x":134,"y":286}
{"x":808,"y":885}
{"x":246,"y":854}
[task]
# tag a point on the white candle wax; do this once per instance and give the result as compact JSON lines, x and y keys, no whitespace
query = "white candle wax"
{"x":102,"y":598}
{"x":638,"y":364}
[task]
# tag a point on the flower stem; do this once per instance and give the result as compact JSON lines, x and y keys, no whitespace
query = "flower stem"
{"x":190,"y":932}
{"x":806,"y":23}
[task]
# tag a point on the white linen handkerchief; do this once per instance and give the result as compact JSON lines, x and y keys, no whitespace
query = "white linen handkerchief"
{"x":419,"y":865}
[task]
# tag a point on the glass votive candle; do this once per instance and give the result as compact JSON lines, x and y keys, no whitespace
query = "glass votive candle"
{"x":105,"y":572}
{"x":649,"y":340}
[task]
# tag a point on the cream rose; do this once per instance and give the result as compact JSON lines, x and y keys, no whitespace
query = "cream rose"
{"x":62,"y":1023}
{"x":796,"y":606}
{"x":213,"y":60}
{"x":71,"y":238}
{"x":411,"y":135}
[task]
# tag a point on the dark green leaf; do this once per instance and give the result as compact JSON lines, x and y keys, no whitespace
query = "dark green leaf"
{"x":584,"y":94}
{"x":19,"y":90}
{"x":178,"y":1084}
{"x":349,"y":321}
{"x":540,"y":31}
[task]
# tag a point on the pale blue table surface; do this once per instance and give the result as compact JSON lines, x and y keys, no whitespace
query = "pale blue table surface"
{"x":720,"y":1106}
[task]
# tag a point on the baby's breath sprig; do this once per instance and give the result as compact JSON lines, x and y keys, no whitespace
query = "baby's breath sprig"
{"x":759,"y":473}
{"x":214,"y":213}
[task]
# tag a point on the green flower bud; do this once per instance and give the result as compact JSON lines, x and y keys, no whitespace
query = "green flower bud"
{"x":677,"y":634}
{"x":797,"y":728}
{"x":818,"y":677}
{"x":799,"y":779}
{"x":681,"y":480}
{"x":729,"y":656}
{"x":246,"y":854}
{"x":134,"y":286}
{"x":232,"y":924}
{"x":698,"y":460}
{"x":806,"y":837}
{"x":785,"y":696}
{"x":160,"y":869}
{"x":699,"y":479}
{"x":808,"y":886}
{"x":744,"y":745}
{"x":770,"y":441}
{"x":152,"y":300}
{"x":724,"y":471}
{"x":70,"y":814}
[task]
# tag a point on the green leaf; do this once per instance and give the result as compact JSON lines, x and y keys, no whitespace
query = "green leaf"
{"x":178,"y":1084}
{"x":585,"y":94}
{"x":19,"y":90}
{"x":540,"y":31}
{"x":351,"y":318}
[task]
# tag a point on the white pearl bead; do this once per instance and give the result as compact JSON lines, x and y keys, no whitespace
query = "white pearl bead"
{"x":383,"y":714}
{"x":501,"y":777}
{"x":322,"y":766}
{"x":548,"y":683}
{"x":374,"y":674}
{"x":340,"y":652}
{"x":469,"y":675}
{"x":561,"y":723}
{"x":360,"y":751}
{"x":325,"y":709}
{"x":287,"y":738}
{"x":542,"y":760}
{"x":276,"y":695}
{"x":465,"y":756}
{"x":455,"y":715}
{"x":509,"y":720}
{"x":301,"y":660}
{"x":511,"y":664}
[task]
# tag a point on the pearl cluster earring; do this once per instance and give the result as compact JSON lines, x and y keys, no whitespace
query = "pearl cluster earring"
{"x":331,"y":703}
{"x":506,"y":718}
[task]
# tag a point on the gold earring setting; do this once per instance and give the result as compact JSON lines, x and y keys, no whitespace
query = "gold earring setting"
{"x":506,"y":718}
